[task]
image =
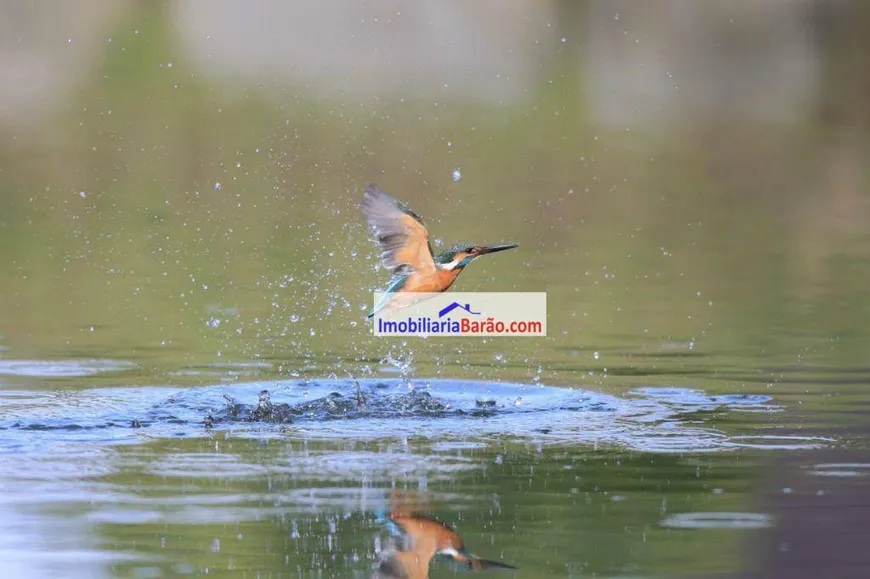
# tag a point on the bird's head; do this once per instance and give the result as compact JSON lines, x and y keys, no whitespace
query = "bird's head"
{"x":461,"y":254}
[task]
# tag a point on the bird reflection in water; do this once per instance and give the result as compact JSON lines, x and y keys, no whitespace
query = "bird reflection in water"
{"x":419,"y":539}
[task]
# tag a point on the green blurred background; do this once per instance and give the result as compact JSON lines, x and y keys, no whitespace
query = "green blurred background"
{"x":674,"y":173}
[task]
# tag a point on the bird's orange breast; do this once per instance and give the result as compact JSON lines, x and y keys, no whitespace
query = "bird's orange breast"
{"x":438,"y":281}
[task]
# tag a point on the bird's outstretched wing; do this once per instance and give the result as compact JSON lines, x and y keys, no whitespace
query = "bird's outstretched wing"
{"x":400,"y":232}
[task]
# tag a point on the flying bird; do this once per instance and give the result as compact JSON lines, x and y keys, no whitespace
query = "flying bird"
{"x":407,"y":252}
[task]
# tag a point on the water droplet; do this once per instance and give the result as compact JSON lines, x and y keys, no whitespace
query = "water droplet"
{"x":456,"y":175}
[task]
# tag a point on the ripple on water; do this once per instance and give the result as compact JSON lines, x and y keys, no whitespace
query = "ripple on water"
{"x":457,"y":445}
{"x":225,"y":370}
{"x":841,"y":469}
{"x":64,"y":460}
{"x":696,"y":400}
{"x":717,"y":520}
{"x":377,"y":467}
{"x":62,"y":368}
{"x":456,"y":414}
{"x":204,"y":465}
{"x":772,"y":442}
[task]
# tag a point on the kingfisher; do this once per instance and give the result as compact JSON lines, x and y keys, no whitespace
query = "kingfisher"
{"x":422,"y":539}
{"x":407,"y":252}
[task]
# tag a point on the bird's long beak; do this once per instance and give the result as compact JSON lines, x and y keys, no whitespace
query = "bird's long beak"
{"x":493,"y":248}
{"x":485,"y":564}
{"x":475,"y":562}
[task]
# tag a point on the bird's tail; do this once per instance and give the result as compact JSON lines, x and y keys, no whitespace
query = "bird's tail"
{"x":381,"y":304}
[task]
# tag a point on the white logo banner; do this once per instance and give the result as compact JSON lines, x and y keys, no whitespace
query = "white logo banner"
{"x":460,"y":314}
